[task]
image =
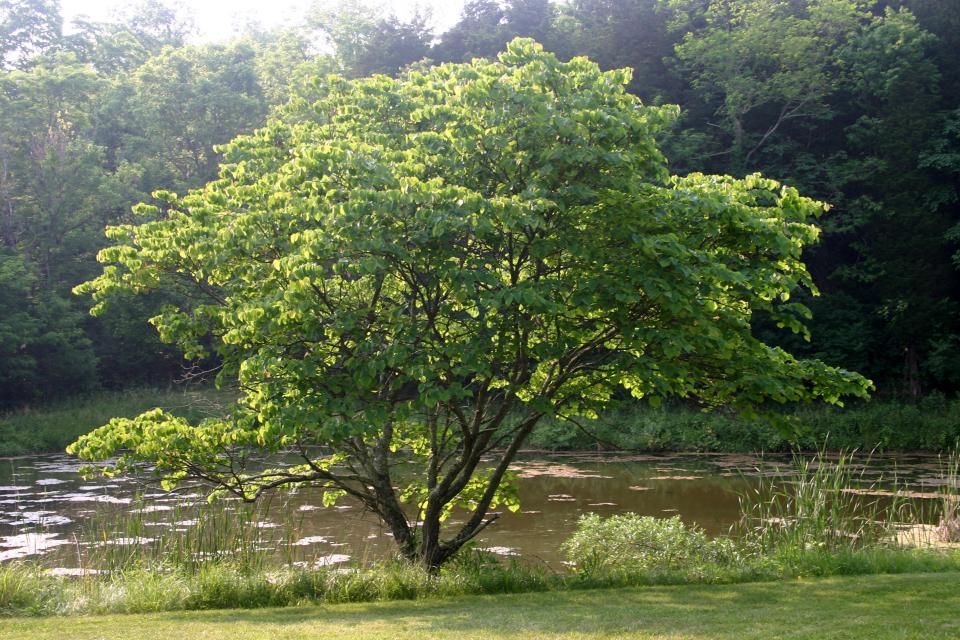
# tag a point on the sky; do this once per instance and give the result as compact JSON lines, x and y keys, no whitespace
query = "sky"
{"x":218,"y":20}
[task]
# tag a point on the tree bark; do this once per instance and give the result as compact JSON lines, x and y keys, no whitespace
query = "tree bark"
{"x":911,"y":373}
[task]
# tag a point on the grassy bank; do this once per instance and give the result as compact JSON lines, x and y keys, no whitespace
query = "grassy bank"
{"x":51,"y":427}
{"x":838,"y":608}
{"x":829,"y":519}
{"x":27,"y":590}
{"x":931,"y":425}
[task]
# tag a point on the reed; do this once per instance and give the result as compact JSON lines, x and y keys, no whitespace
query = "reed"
{"x":827,"y":503}
{"x":948,"y":529}
{"x":189,"y":536}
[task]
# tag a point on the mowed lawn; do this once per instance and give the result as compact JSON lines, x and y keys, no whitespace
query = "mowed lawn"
{"x":922,"y":606}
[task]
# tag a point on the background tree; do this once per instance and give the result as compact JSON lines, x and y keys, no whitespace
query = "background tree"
{"x":432,"y":265}
{"x":764,"y":63}
{"x":93,"y":122}
{"x":27,"y":29}
{"x":366,"y":40}
{"x":50,"y":186}
{"x":892,"y":209}
{"x":635,"y":34}
{"x":140,"y":32}
{"x":486,"y":26}
{"x":879,"y":145}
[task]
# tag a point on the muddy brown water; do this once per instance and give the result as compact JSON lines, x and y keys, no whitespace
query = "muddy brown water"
{"x":46,"y":508}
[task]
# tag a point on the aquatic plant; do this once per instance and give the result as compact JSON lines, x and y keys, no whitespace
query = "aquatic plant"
{"x":190,"y":536}
{"x":827,"y":503}
{"x":949,"y":528}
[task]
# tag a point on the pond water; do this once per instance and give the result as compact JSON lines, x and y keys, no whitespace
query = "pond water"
{"x":47,"y":510}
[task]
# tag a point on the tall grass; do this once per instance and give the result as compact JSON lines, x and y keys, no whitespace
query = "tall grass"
{"x":188,"y":537}
{"x":948,"y":529}
{"x":826,"y":504}
{"x":24,"y":590}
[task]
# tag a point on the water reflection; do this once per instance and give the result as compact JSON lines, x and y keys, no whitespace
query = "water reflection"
{"x":44,"y":503}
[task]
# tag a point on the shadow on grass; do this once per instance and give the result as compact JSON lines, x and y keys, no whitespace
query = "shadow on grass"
{"x":914,"y":606}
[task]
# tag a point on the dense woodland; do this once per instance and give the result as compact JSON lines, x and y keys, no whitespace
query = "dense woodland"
{"x":854,"y":102}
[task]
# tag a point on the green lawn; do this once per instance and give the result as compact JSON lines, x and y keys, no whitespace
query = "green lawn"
{"x":922,"y":606}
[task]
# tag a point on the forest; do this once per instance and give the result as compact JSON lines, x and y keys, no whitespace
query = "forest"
{"x":575,"y":318}
{"x":854,"y":103}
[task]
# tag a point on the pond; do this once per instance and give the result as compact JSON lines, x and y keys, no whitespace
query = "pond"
{"x":47,"y":510}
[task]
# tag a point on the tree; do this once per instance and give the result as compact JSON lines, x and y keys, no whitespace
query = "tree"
{"x":764,"y":64}
{"x":368,"y":41}
{"x":52,"y":191}
{"x":942,"y":19}
{"x":285,"y":60}
{"x":171,"y":112}
{"x":431,"y":265}
{"x":486,"y":26}
{"x":139,"y":32}
{"x":943,"y":158}
{"x":625,"y":33}
{"x":28,"y":28}
{"x":894,"y":212}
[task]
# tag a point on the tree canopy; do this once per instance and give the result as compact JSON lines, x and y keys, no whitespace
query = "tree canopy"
{"x":853,"y":102}
{"x":425,"y":267}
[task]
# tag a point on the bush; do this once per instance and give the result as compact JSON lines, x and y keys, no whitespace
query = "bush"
{"x":631,"y":544}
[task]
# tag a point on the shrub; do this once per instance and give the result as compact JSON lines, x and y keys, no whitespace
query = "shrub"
{"x":631,"y":543}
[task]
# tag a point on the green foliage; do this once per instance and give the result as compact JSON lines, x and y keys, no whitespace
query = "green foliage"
{"x":404,"y":263}
{"x":367,"y":40}
{"x":27,"y":27}
{"x":90,"y":123}
{"x":850,"y":101}
{"x":486,"y":26}
{"x":764,"y":63}
{"x":849,"y":111}
{"x":176,"y":107}
{"x":57,"y":424}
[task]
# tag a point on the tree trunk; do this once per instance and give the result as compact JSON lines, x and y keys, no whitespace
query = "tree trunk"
{"x":911,"y":373}
{"x":433,"y":551}
{"x":8,"y":224}
{"x":737,"y":157}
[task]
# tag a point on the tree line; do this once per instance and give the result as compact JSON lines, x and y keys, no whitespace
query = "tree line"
{"x":856,"y":103}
